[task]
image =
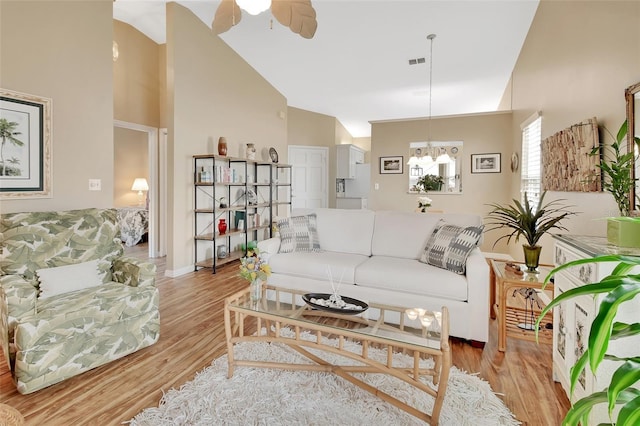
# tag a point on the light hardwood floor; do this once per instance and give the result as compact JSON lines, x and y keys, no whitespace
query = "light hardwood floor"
{"x":192,"y":335}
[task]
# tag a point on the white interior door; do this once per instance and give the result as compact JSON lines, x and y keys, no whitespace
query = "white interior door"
{"x":309,"y":176}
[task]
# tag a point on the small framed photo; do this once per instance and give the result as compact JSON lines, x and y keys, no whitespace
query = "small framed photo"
{"x":485,"y":163}
{"x":391,"y":165}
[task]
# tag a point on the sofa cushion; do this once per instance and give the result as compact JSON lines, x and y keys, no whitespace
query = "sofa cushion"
{"x":298,"y":233}
{"x":316,"y":265}
{"x":450,"y":245}
{"x":402,"y":234}
{"x":344,"y":230}
{"x":410,"y":276}
{"x":65,"y":279}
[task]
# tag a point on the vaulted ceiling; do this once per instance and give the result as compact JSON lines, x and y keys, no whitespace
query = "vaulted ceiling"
{"x":356,"y":67}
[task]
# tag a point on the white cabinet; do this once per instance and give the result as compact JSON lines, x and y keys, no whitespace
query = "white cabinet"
{"x":347,"y":157}
{"x":572,"y":320}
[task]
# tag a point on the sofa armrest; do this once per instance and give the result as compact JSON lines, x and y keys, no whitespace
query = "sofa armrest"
{"x":133,"y":272}
{"x":268,"y":247}
{"x":478,"y":292}
{"x":4,"y":328}
{"x":21,"y":295}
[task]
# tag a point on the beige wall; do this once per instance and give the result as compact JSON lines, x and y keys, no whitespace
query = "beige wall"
{"x":212,"y":92}
{"x":481,"y":133}
{"x":136,"y":77}
{"x":576,"y":61}
{"x":62,"y":50}
{"x":131,"y":161}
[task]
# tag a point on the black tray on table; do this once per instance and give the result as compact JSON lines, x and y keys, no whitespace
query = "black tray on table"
{"x":307,"y":298}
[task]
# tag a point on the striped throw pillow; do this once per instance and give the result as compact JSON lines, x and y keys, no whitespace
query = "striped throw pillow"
{"x":299,"y":233}
{"x":450,"y":245}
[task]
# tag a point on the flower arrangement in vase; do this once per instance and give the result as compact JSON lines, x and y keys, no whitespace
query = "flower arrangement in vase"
{"x":423,"y":203}
{"x":254,"y":269}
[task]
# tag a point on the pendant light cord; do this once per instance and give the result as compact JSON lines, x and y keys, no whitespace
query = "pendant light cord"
{"x":430,"y":37}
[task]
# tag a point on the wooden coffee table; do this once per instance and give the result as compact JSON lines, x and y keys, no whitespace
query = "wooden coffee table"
{"x":284,"y":308}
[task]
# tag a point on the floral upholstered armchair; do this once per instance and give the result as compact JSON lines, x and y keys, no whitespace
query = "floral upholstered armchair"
{"x":69,"y":300}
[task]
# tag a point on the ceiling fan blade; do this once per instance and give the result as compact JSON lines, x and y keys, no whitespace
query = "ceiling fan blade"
{"x":227,"y":15}
{"x":298,"y":15}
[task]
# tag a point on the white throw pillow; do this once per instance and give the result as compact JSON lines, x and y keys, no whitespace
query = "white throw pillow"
{"x":64,"y":279}
{"x":298,"y":233}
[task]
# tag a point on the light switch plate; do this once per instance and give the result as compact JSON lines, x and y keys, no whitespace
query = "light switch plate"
{"x":95,"y":185}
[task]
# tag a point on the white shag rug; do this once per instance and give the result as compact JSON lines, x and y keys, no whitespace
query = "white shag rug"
{"x":263,"y":396}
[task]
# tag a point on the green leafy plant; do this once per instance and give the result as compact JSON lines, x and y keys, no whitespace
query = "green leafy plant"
{"x":616,"y":166}
{"x":618,"y":288}
{"x":430,"y":183}
{"x":524,"y":221}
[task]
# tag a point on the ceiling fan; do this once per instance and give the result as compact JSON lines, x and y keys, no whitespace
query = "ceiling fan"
{"x":298,"y":15}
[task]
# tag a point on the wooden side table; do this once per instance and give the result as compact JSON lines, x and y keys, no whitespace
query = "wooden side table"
{"x":518,"y":301}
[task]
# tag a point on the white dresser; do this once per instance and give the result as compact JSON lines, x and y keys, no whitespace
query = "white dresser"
{"x":572,"y":319}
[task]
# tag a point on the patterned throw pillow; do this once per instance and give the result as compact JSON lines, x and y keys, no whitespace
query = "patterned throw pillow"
{"x":299,"y":233}
{"x":450,"y":245}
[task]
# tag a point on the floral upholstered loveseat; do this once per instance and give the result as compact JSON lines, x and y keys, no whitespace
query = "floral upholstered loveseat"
{"x":96,"y":306}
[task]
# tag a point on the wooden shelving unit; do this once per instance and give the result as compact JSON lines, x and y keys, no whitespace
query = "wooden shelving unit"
{"x":254,"y":191}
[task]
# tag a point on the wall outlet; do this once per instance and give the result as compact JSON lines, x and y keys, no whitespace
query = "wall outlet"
{"x":376,"y":186}
{"x":95,"y":185}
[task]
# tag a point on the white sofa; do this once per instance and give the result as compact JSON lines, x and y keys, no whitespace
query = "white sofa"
{"x":375,"y":256}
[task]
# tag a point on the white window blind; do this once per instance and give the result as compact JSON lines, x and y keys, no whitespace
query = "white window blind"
{"x":530,"y":183}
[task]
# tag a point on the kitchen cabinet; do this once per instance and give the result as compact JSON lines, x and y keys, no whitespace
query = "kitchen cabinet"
{"x":348,"y":156}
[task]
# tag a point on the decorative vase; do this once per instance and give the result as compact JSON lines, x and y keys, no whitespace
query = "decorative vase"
{"x":255,"y":292}
{"x":222,"y":226}
{"x":222,"y":146}
{"x":222,"y":251}
{"x":223,"y":202}
{"x":251,"y":151}
{"x":531,"y":257}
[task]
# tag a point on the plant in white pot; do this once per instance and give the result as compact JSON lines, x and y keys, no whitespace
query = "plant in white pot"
{"x":530,"y":222}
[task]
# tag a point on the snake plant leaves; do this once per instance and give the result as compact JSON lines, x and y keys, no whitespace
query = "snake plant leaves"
{"x":580,"y":410}
{"x":629,"y":414}
{"x":600,"y":332}
{"x":624,"y":377}
{"x":577,"y":369}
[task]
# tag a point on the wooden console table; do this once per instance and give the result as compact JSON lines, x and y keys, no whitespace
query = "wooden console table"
{"x":517,"y":319}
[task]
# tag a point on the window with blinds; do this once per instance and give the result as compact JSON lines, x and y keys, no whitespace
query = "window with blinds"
{"x":530,"y":183}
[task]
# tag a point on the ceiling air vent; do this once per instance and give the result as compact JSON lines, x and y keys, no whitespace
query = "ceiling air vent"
{"x":416,"y":61}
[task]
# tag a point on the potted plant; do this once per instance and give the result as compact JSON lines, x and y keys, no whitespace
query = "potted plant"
{"x":523,"y":220}
{"x":616,"y":179}
{"x":430,"y":183}
{"x":616,"y":172}
{"x":621,"y":286}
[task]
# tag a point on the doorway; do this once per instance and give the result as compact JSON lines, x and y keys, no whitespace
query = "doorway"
{"x":309,"y":168}
{"x":155,"y":167}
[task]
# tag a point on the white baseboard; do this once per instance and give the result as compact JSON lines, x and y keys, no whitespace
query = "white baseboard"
{"x":178,"y":272}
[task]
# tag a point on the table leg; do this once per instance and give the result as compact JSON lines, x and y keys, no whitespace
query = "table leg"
{"x":492,"y":291}
{"x":502,"y":316}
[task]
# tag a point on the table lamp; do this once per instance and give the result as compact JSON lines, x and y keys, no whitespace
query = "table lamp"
{"x":140,"y":184}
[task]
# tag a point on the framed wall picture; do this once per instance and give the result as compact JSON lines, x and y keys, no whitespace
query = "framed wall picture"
{"x":25,"y":153}
{"x":485,"y":163}
{"x":391,"y":165}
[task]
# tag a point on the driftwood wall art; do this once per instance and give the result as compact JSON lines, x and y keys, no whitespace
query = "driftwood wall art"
{"x":567,"y":165}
